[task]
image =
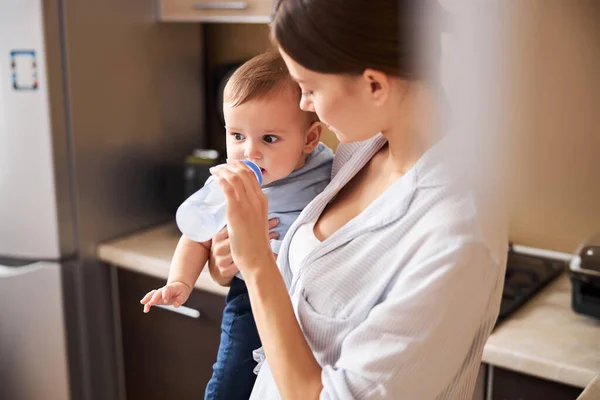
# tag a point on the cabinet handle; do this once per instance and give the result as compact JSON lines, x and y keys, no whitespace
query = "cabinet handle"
{"x":227,"y":5}
{"x":183,"y":310}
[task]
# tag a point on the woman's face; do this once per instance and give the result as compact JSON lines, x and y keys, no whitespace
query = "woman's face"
{"x":344,"y":103}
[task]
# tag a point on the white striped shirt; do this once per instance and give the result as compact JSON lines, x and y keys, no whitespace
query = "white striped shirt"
{"x":399,"y":302}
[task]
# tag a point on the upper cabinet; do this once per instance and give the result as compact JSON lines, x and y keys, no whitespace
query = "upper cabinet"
{"x":249,"y":11}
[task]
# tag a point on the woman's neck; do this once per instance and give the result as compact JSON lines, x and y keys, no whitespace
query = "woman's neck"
{"x":414,"y":128}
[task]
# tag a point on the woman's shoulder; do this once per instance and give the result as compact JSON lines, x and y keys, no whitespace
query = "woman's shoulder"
{"x":451,"y":215}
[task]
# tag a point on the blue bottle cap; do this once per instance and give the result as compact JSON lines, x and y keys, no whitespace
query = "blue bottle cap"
{"x":256,"y":169}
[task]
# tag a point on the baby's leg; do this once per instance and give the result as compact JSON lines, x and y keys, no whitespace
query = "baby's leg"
{"x":233,"y":376}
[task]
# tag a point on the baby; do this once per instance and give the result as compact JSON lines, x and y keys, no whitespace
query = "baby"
{"x":265,"y":125}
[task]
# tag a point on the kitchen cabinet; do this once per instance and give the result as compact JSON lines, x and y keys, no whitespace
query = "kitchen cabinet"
{"x":509,"y":385}
{"x":245,"y":11}
{"x":166,"y":355}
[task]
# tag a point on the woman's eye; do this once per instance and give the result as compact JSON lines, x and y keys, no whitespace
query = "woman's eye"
{"x":306,"y":93}
{"x":237,"y":136}
{"x":270,"y":138}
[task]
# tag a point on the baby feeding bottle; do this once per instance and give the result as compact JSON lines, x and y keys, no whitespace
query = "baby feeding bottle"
{"x":202,"y":215}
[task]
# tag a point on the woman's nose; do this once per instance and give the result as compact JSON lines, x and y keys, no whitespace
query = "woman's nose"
{"x":252,"y":152}
{"x":306,"y":104}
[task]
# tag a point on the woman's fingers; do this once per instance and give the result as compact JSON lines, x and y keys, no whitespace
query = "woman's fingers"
{"x":238,"y":183}
{"x":248,"y":180}
{"x":246,"y":213}
{"x":224,"y":263}
{"x":221,"y":248}
{"x":255,"y":199}
{"x":273,"y":222}
{"x":229,"y":271}
{"x":221,"y":235}
{"x":230,"y":183}
{"x":221,"y":253}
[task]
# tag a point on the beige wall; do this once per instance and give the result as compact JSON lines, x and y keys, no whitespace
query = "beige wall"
{"x":555,"y":140}
{"x":235,"y":42}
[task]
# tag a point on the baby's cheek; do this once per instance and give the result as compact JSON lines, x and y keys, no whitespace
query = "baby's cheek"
{"x":233,"y":153}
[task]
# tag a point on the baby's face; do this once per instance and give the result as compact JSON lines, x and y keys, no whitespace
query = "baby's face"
{"x":271,"y":132}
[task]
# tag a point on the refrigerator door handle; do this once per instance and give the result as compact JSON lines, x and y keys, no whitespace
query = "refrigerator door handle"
{"x":6,"y":271}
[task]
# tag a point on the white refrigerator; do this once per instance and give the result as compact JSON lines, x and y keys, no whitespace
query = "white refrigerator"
{"x":96,"y":100}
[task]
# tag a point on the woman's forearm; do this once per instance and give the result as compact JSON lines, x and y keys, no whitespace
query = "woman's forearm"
{"x":291,"y":361}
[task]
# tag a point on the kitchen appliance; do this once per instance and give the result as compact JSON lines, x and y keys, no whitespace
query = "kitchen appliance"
{"x":95,"y":98}
{"x":585,"y":278}
{"x":197,"y":170}
{"x":526,"y":275}
{"x":185,"y":178}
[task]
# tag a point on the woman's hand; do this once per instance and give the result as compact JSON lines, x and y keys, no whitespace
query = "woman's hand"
{"x":247,"y":224}
{"x":220,"y":264}
{"x":295,"y":369}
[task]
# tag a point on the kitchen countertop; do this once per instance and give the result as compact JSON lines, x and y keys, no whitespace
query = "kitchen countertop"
{"x":544,"y":338}
{"x":150,"y":252}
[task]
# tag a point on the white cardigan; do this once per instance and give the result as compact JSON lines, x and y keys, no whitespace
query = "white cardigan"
{"x":399,"y":302}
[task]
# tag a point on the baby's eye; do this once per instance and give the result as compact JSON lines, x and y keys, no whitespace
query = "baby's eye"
{"x":238,"y":136}
{"x":307,"y":93}
{"x":270,"y":138}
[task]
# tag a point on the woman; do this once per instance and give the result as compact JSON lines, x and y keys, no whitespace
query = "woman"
{"x":390,"y":281}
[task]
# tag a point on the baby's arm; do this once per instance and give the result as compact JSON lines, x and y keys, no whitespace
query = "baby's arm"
{"x":188,"y":261}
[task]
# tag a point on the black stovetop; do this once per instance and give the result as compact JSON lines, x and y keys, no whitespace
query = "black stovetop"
{"x":525,"y":276}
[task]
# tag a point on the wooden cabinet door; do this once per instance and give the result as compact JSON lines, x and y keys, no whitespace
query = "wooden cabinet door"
{"x":167,"y":355}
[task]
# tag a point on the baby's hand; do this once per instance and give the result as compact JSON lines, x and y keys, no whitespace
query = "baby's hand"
{"x":174,"y":293}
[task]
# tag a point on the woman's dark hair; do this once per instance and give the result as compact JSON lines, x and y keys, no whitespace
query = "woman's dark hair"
{"x":349,"y":36}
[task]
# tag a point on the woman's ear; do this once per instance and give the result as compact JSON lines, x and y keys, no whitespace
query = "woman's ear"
{"x":313,"y":136}
{"x":378,"y":85}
